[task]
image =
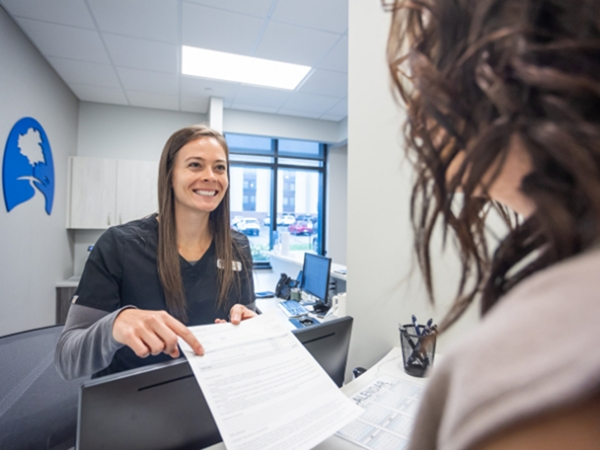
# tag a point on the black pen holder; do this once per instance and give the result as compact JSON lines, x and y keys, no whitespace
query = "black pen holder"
{"x":418,"y":349}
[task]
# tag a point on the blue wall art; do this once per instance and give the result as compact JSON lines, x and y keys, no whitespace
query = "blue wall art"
{"x":28,"y":166}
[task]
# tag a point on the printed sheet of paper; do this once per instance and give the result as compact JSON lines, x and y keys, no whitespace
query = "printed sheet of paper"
{"x":391,"y":405}
{"x":264,"y":389}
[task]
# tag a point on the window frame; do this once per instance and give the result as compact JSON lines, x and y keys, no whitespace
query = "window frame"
{"x":275,"y":166}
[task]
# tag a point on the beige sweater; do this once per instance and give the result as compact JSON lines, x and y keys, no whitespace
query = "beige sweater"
{"x":537,"y":350}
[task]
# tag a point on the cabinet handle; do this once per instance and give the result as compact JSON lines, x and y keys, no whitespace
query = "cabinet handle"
{"x":120,"y":219}
{"x":108,"y":219}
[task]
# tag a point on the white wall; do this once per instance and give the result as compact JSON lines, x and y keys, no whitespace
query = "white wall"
{"x":382,"y":292}
{"x":279,"y":126}
{"x":337,"y":203}
{"x":126,"y":132}
{"x":36,"y":249}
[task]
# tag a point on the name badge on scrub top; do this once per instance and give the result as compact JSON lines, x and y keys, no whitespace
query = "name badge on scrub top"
{"x":237,"y":266}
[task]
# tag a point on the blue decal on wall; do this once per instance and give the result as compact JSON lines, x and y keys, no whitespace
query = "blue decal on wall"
{"x":27,"y":165}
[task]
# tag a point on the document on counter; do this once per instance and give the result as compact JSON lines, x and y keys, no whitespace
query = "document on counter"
{"x":263,"y":387}
{"x":391,"y":405}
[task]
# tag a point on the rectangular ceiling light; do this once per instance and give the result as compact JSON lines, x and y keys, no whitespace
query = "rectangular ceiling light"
{"x":243,"y":69}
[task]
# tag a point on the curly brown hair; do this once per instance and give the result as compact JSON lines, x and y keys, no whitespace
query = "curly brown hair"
{"x":474,"y":75}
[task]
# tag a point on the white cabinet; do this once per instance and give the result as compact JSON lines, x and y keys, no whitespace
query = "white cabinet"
{"x":137,"y":189}
{"x":106,"y":192}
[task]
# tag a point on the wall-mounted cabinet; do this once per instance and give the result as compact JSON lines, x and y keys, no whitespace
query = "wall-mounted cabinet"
{"x":106,"y":192}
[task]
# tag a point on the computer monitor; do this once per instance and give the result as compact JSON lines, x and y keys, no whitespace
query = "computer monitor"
{"x":315,"y":278}
{"x":161,"y":406}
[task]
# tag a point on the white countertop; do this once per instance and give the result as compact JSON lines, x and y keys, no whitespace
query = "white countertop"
{"x":297,"y":257}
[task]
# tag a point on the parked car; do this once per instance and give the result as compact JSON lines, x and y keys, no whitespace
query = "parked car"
{"x":282,"y":220}
{"x":310,"y":217}
{"x":301,"y":227}
{"x":249,"y":226}
{"x":287,"y":219}
{"x":236,"y":219}
{"x":267,"y":220}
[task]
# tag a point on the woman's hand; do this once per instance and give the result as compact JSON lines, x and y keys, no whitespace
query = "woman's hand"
{"x":237,"y":313}
{"x":152,"y":332}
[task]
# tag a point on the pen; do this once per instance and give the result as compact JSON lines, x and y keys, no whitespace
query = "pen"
{"x":416,"y":325}
{"x":428,"y":326}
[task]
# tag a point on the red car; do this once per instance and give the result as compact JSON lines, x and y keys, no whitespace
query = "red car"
{"x":301,"y":227}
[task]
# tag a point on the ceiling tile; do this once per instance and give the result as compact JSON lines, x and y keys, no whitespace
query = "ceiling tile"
{"x":258,"y":8}
{"x":289,"y":43}
{"x":324,"y":82}
{"x":200,"y":87}
{"x":99,"y":94}
{"x":260,"y":97}
{"x":310,"y":103}
{"x":146,"y":81}
{"x":82,"y":72}
{"x":150,"y":19}
{"x":330,"y":15}
{"x":64,"y":12}
{"x":64,"y":41}
{"x":142,"y":54}
{"x":337,"y":59}
{"x":156,"y":101}
{"x":215,"y":29}
{"x":194,"y":104}
{"x":297,"y":113}
{"x":332,"y":117}
{"x":340,"y":109}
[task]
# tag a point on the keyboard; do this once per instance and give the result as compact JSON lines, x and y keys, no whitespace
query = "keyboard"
{"x":292,"y":308}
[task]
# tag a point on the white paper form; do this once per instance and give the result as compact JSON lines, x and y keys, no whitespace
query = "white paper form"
{"x":264,"y":389}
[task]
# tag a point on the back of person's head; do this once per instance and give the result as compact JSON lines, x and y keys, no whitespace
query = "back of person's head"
{"x":477,"y":77}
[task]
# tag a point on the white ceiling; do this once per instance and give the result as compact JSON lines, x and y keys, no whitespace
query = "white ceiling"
{"x":128,"y":52}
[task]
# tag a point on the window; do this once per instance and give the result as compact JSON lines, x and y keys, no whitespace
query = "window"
{"x":282,"y":179}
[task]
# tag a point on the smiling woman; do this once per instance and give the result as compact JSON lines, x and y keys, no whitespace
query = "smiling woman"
{"x":146,"y":280}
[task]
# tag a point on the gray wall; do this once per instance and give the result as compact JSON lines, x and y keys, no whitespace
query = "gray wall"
{"x":337,"y":204}
{"x":382,"y":290}
{"x":36,"y":249}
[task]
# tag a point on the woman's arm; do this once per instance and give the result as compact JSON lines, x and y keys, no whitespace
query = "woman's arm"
{"x":91,"y":338}
{"x":86,"y":344}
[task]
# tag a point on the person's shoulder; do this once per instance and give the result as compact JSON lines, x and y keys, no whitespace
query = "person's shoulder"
{"x":240,"y":239}
{"x":140,"y":227}
{"x":535,"y":350}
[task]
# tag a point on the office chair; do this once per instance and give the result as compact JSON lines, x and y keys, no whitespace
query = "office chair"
{"x":38,"y":409}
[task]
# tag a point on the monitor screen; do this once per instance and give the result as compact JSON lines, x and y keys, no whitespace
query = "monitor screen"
{"x":161,"y":406}
{"x":315,"y":276}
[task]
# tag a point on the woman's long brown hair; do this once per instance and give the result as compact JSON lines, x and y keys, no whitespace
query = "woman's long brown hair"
{"x":227,"y":249}
{"x":475,"y":74}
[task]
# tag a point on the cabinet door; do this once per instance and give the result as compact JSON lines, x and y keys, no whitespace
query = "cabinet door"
{"x":92,"y":193}
{"x":137,"y":189}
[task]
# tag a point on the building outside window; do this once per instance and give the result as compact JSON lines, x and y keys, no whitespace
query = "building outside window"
{"x":282,"y":179}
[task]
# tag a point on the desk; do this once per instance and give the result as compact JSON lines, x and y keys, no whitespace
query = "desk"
{"x":391,"y":365}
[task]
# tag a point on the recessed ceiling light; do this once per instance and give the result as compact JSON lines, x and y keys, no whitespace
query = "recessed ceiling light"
{"x":242,"y":69}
